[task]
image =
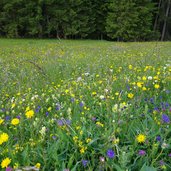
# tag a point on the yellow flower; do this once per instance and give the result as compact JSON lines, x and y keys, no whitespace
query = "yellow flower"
{"x":93,"y":93}
{"x":38,"y":165}
{"x":15,"y":121}
{"x":49,"y":109}
{"x":3,"y":138}
{"x":83,"y":149}
{"x":13,"y":105}
{"x":88,"y":140}
{"x":1,"y":121}
{"x":141,"y":138}
{"x":5,"y":162}
{"x":29,"y":114}
{"x":156,"y":86}
{"x":99,"y":124}
{"x":130,"y":95}
{"x":75,"y":138}
{"x":144,"y":78}
{"x":116,"y":141}
{"x":144,"y":88}
{"x":139,"y":84}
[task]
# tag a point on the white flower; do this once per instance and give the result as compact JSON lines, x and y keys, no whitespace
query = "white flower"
{"x":43,"y":131}
{"x":79,"y":79}
{"x":150,"y":77}
{"x":102,"y":97}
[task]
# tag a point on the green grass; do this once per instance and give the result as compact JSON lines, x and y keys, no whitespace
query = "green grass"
{"x":86,"y":97}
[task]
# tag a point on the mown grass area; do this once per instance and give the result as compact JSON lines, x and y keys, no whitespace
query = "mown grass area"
{"x":85,"y":105}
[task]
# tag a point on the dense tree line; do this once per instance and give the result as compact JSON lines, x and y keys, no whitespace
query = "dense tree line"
{"x":122,"y":20}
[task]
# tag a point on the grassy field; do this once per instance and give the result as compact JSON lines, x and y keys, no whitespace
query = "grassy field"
{"x":85,"y":105}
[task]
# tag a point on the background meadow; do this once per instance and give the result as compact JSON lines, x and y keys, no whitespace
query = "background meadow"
{"x":85,"y":105}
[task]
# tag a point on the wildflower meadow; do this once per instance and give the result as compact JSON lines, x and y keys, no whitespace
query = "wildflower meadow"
{"x":85,"y":105}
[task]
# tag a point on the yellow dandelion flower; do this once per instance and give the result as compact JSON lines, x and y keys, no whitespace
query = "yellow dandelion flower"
{"x":3,"y":138}
{"x":144,"y":78}
{"x":130,"y":95}
{"x":15,"y":121}
{"x":29,"y":114}
{"x":157,"y":86}
{"x":144,"y":88}
{"x":5,"y":162}
{"x":141,"y":138}
{"x":139,"y":84}
{"x":38,"y":165}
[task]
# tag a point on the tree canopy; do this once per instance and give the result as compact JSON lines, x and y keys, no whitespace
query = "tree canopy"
{"x":122,"y":20}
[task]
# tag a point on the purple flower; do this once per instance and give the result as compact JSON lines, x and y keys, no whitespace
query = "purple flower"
{"x":84,"y":162}
{"x":60,"y":122}
{"x":72,"y":100}
{"x":169,"y":155}
{"x":47,"y":113}
{"x":141,"y":152}
{"x":19,"y":117}
{"x":37,"y":109}
{"x":54,"y":137}
{"x":3,"y":109}
{"x":68,"y":122}
{"x":165,"y":118}
{"x":93,"y":118}
{"x":8,"y":169}
{"x":7,"y":118}
{"x":110,"y":153}
{"x":161,"y":162}
{"x":158,"y":138}
{"x":81,"y":104}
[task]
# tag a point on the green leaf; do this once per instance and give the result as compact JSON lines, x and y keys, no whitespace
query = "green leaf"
{"x":147,"y":168}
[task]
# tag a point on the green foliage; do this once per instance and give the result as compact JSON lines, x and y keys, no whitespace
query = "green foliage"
{"x":110,"y":19}
{"x":79,"y":94}
{"x":130,"y":20}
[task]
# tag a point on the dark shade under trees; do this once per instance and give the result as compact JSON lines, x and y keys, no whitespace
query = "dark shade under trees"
{"x":121,"y":20}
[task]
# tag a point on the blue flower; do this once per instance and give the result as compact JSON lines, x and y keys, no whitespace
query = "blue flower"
{"x":158,"y":138}
{"x":84,"y":162}
{"x":110,"y":153}
{"x":165,"y":118}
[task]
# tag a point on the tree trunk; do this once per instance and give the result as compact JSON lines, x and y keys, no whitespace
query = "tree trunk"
{"x":165,"y":21}
{"x":157,"y":16}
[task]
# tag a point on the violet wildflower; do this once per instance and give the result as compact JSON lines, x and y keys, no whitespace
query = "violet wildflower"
{"x":141,"y":152}
{"x":165,"y":118}
{"x":169,"y":155}
{"x":158,"y":138}
{"x":68,"y":122}
{"x":8,"y":169}
{"x":84,"y":162}
{"x":7,"y":118}
{"x":18,"y":117}
{"x":110,"y":153}
{"x":60,"y":122}
{"x":81,"y":104}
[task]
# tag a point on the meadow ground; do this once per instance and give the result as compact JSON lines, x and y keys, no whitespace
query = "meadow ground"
{"x":85,"y":105}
